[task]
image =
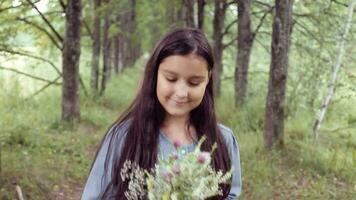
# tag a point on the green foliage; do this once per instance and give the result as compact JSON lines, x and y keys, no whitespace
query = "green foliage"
{"x":34,"y":137}
{"x":46,"y":156}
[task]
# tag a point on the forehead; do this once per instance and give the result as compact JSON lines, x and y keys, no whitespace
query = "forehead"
{"x":187,"y":65}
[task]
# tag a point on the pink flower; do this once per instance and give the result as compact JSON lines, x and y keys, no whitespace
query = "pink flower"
{"x":176,"y":168}
{"x":202,"y":157}
{"x":167,"y":176}
{"x":177,"y":144}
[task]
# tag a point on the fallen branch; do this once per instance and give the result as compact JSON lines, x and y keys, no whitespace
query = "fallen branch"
{"x":19,"y":192}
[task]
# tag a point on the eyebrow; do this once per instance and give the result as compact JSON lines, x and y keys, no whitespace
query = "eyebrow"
{"x":193,"y":77}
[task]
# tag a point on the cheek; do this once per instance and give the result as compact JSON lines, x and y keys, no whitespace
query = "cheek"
{"x":163,"y":89}
{"x":198,"y":94}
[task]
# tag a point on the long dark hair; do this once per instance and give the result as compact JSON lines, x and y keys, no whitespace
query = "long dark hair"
{"x":145,"y":114}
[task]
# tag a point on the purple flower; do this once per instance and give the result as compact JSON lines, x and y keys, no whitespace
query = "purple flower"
{"x":202,"y":157}
{"x":167,"y":176}
{"x":177,"y":144}
{"x":176,"y":168}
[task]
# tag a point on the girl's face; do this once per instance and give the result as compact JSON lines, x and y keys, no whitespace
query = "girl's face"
{"x":181,"y":83}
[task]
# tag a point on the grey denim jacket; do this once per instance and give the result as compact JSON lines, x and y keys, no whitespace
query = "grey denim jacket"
{"x":99,"y":178}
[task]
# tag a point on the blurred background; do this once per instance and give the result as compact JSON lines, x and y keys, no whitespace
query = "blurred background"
{"x":285,"y":79}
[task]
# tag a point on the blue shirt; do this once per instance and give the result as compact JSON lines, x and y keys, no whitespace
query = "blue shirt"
{"x":99,"y":178}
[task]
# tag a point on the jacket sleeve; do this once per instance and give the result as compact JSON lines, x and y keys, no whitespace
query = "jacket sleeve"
{"x":234,"y":154}
{"x":99,"y":178}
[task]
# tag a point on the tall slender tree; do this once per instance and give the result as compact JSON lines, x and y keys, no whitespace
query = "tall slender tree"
{"x":244,"y":43}
{"x":70,"y":62}
{"x":175,"y":14}
{"x":218,"y":28}
{"x":129,"y":46}
{"x":201,"y":9}
{"x":116,"y":52}
{"x":274,"y":116}
{"x":94,"y":81}
{"x":336,"y":68}
{"x":135,"y":45}
{"x":106,"y":48}
{"x":189,"y":13}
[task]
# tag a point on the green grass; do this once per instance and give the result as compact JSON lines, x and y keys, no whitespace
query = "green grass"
{"x":45,"y":156}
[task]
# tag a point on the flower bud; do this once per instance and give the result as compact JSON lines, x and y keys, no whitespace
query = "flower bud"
{"x":177,"y":144}
{"x":175,"y":156}
{"x":167,"y":176}
{"x":203,"y":157}
{"x":176,"y":168}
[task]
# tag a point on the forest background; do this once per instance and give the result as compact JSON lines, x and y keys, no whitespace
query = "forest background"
{"x":285,"y":74}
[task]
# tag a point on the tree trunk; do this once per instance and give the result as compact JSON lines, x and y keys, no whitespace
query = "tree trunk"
{"x":219,"y":18}
{"x":116,"y":53}
{"x":94,"y":82}
{"x":123,"y":22}
{"x":70,"y":61}
{"x":128,"y":40}
{"x":274,"y":125}
{"x":175,"y":14}
{"x":121,"y":53}
{"x":0,"y":163}
{"x":336,"y":68}
{"x":135,"y":46}
{"x":106,"y":53}
{"x":201,"y":6}
{"x":119,"y":45}
{"x":189,"y":13}
{"x":244,"y":44}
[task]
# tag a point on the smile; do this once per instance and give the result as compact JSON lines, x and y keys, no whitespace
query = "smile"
{"x":180,"y":102}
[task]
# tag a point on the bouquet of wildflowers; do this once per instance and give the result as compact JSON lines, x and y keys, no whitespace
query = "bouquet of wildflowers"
{"x":179,"y":177}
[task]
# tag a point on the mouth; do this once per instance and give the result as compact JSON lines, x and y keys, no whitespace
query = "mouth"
{"x":180,"y":102}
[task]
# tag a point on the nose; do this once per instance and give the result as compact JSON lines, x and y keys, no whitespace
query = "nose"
{"x":181,"y":90}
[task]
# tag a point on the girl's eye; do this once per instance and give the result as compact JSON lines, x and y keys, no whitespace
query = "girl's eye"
{"x":171,"y":79}
{"x":194,"y":83}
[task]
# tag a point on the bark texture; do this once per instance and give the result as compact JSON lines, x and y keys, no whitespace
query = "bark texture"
{"x":201,"y":6}
{"x":70,"y":61}
{"x":274,"y":116}
{"x":128,"y":47}
{"x":218,"y":28}
{"x":189,"y":13}
{"x":175,"y":14}
{"x":106,"y":52}
{"x":244,"y":44}
{"x":94,"y":81}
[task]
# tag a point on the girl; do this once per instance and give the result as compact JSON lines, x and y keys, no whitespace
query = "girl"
{"x":175,"y":102}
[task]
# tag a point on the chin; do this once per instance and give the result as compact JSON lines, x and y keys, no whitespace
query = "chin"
{"x":175,"y":113}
